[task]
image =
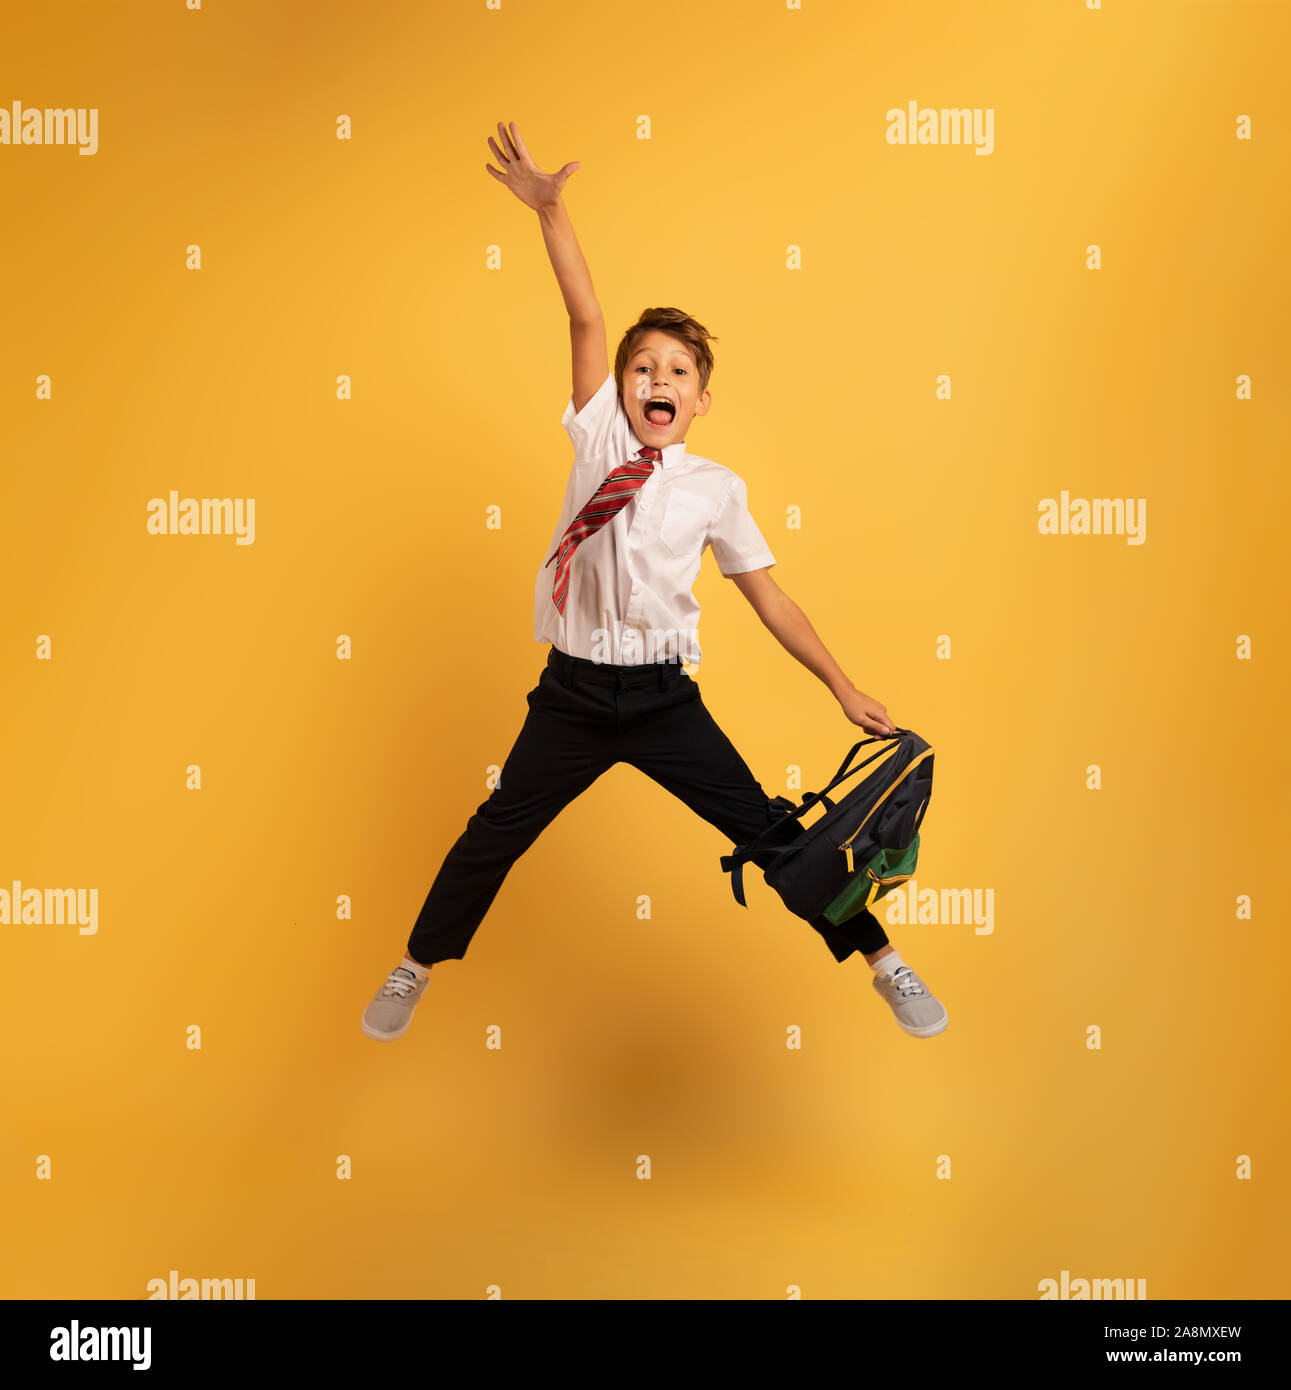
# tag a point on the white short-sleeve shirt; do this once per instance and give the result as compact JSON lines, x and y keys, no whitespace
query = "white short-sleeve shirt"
{"x":629,"y":598}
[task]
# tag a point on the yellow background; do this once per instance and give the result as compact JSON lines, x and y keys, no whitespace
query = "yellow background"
{"x":622,"y":1037}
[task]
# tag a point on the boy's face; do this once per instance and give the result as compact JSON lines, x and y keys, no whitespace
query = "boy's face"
{"x":662,"y":369}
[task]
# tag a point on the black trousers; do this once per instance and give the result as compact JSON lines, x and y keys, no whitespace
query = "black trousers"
{"x":584,"y":717}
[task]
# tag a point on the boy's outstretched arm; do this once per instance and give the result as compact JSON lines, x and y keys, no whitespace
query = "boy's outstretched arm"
{"x":541,"y":192}
{"x":796,"y":635}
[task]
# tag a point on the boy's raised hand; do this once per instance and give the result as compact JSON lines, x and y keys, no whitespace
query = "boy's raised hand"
{"x":522,"y":176}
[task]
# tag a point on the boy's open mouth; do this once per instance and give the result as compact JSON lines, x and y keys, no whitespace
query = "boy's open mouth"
{"x":659,"y":412}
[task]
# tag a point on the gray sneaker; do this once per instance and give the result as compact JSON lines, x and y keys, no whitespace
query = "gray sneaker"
{"x":389,"y":1015}
{"x":917,"y":1012}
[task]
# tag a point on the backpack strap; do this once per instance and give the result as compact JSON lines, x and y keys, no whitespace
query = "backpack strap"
{"x":733,"y":864}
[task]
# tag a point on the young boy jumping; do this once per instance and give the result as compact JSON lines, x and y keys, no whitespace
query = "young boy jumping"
{"x":613,"y":597}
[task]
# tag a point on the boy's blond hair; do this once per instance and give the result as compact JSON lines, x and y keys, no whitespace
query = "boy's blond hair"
{"x":678,"y":325}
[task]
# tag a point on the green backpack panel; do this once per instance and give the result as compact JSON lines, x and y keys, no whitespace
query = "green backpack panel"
{"x":868,"y":884}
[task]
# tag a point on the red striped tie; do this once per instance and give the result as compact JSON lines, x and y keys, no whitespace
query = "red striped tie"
{"x":618,"y":489}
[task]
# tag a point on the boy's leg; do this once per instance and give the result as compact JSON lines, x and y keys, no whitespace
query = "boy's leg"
{"x":566,"y":742}
{"x":682,"y":748}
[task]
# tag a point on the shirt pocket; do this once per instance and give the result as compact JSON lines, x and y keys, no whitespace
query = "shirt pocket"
{"x":685,"y":522}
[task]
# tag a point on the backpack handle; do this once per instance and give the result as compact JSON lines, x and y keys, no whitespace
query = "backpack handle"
{"x":843,"y":774}
{"x":856,"y":748}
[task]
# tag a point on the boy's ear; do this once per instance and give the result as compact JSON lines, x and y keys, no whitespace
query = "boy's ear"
{"x":702,"y":403}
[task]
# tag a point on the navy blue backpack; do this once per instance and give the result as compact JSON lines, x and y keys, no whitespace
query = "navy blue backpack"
{"x":865,"y":843}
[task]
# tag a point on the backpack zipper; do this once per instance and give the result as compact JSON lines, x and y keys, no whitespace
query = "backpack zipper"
{"x":846,"y":846}
{"x":893,"y":878}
